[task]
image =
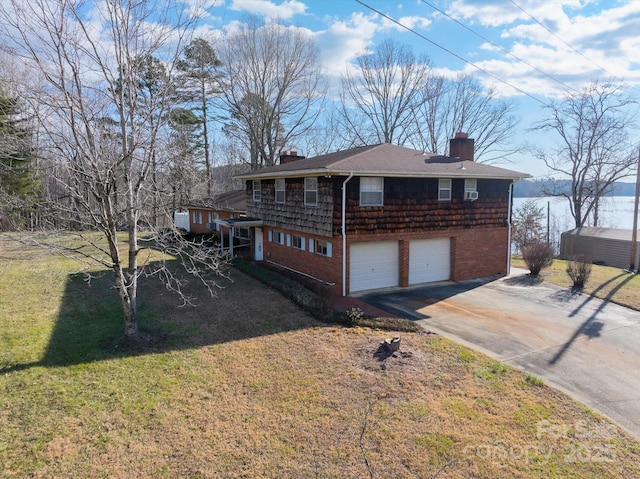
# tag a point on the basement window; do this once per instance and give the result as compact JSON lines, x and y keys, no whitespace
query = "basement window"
{"x":444,"y":189}
{"x":297,"y":242}
{"x":371,"y":191}
{"x":278,"y":237}
{"x":323,"y":248}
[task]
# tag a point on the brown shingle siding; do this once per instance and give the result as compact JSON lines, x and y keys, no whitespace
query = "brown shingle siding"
{"x":411,"y":205}
{"x":293,"y":213}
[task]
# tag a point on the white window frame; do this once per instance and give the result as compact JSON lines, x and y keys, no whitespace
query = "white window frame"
{"x":257,"y":191}
{"x":444,"y":185}
{"x":278,"y":237}
{"x":371,"y":191}
{"x":470,"y":186}
{"x":323,"y":248}
{"x":311,"y":191}
{"x":241,"y":232}
{"x":281,"y":192}
{"x":197,"y":217}
{"x":297,"y":242}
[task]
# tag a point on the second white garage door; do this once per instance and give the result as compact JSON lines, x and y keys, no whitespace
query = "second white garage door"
{"x":373,"y":265}
{"x":429,"y":260}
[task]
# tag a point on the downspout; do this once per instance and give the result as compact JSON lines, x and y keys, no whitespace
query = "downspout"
{"x":344,"y":235}
{"x":509,"y":229}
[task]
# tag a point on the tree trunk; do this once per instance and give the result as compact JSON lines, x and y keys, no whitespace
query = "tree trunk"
{"x":129,"y":306}
{"x":205,"y":134}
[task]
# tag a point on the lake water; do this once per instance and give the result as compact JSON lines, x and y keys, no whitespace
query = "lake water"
{"x":615,"y":211}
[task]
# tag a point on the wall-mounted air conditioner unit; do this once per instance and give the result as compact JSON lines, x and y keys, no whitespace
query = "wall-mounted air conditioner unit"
{"x":471,"y":195}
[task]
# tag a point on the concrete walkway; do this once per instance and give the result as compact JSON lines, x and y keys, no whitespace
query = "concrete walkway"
{"x":584,"y":346}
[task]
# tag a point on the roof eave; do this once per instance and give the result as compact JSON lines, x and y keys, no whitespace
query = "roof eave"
{"x":387,"y":174}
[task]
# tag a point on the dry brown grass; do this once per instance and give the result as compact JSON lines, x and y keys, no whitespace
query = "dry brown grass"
{"x":605,"y":282}
{"x":248,"y":386}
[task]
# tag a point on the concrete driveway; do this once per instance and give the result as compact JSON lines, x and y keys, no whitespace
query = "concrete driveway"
{"x":584,"y":346}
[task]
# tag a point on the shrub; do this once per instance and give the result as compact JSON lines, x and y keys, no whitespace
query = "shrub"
{"x":538,"y":256}
{"x":579,"y":270}
{"x":354,"y":316}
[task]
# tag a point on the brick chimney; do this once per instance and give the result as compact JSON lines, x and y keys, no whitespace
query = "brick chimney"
{"x":461,"y":147}
{"x":289,"y":156}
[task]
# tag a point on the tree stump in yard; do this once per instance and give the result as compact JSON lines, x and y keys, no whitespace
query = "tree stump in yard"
{"x":391,"y":345}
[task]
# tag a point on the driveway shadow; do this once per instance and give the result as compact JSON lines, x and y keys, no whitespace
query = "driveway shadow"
{"x":590,"y":327}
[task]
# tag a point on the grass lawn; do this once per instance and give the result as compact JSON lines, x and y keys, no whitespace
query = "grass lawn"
{"x":248,"y":385}
{"x":606,"y":282}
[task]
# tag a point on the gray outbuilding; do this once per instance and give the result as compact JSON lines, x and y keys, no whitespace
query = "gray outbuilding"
{"x":607,"y":246}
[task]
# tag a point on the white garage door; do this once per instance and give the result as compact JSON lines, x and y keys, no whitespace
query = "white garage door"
{"x":373,"y":265}
{"x":429,"y":260}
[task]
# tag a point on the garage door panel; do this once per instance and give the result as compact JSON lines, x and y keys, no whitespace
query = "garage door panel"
{"x":374,"y":265}
{"x":429,"y":260}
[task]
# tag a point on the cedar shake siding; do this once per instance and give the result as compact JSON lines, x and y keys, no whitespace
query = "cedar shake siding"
{"x":294,"y":214}
{"x":411,"y":205}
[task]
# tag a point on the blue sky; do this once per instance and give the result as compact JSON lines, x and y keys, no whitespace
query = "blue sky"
{"x":542,"y":48}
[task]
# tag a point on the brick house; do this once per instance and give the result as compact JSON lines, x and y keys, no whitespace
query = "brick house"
{"x":383,"y":216}
{"x":203,"y":214}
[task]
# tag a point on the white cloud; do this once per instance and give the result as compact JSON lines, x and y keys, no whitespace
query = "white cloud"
{"x":413,"y":22}
{"x":344,"y":40}
{"x":283,"y":11}
{"x":589,"y":41}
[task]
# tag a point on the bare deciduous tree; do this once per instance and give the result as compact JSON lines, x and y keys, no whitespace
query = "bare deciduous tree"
{"x":394,"y":97}
{"x":272,"y":89}
{"x":101,"y":133}
{"x":464,"y":105}
{"x":592,"y":129}
{"x":379,"y":100}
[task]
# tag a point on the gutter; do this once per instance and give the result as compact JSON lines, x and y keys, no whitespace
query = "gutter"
{"x":387,"y":174}
{"x":344,"y":235}
{"x":509,"y":229}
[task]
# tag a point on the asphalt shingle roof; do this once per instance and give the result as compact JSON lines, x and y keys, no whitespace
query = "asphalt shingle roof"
{"x":384,"y":160}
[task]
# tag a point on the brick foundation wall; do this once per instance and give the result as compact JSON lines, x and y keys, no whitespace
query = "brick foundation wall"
{"x":479,"y":253}
{"x":475,"y":253}
{"x":323,"y":268}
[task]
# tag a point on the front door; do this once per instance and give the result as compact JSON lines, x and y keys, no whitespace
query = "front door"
{"x":257,"y":245}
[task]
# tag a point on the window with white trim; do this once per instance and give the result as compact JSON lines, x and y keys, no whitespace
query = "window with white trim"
{"x":297,"y":242}
{"x":311,"y":191}
{"x":240,"y":232}
{"x":470,"y":189}
{"x":371,"y":191}
{"x":444,"y":189}
{"x":323,"y":248}
{"x":278,"y":237}
{"x":257,"y":191}
{"x":197,"y":217}
{"x":280,"y":190}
